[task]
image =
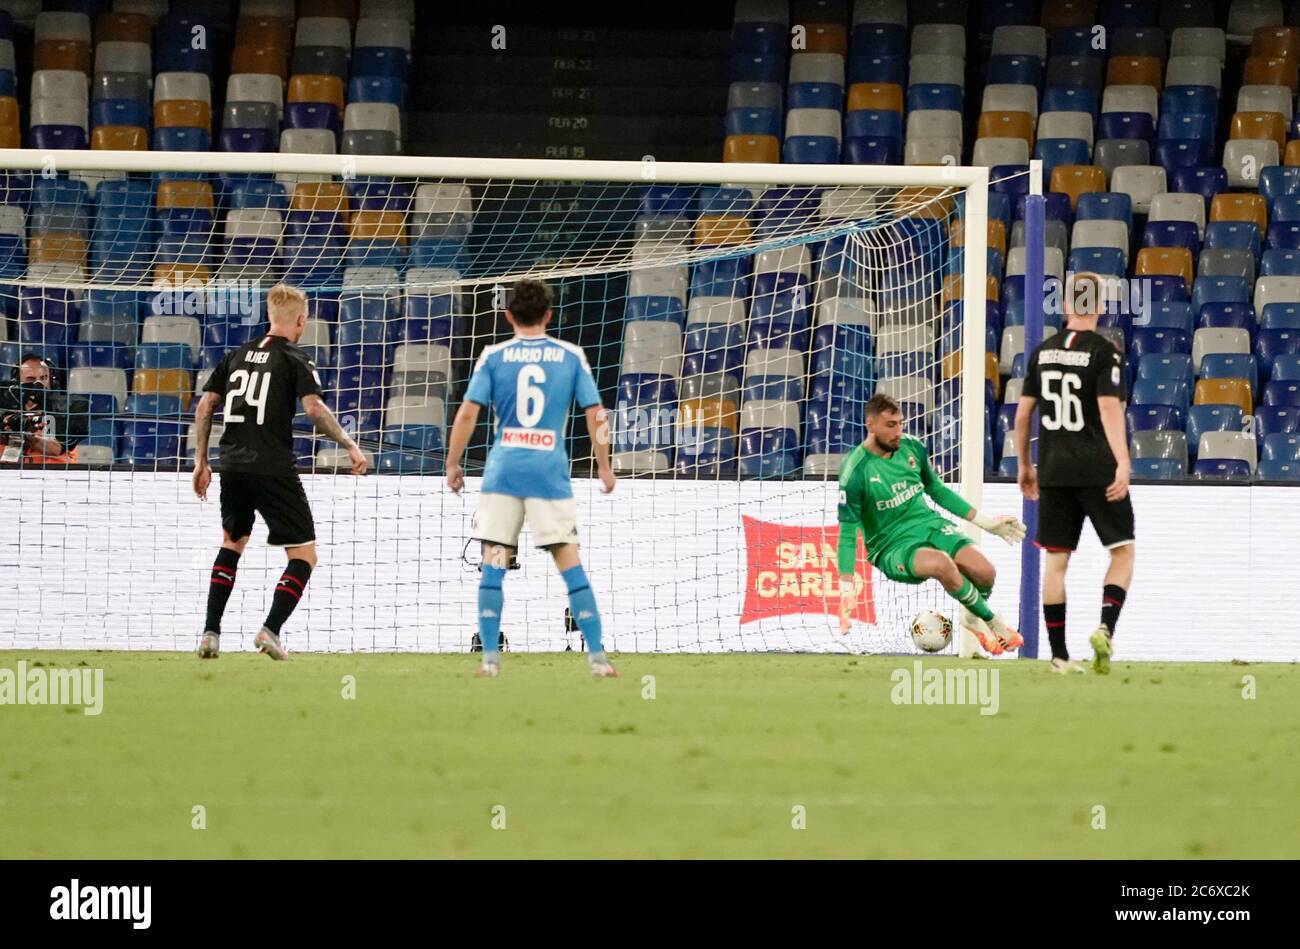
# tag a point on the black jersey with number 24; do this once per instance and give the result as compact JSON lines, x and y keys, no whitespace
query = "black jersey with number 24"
{"x":261,"y":383}
{"x":1066,"y":374}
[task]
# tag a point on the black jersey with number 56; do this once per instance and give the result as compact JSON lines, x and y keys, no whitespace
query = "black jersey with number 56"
{"x":260,"y":384}
{"x":1065,"y":375}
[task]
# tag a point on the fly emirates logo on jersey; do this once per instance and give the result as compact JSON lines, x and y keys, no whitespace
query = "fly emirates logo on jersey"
{"x":794,"y":570}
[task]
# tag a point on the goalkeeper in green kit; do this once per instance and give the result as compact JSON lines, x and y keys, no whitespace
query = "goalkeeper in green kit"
{"x":882,"y":483}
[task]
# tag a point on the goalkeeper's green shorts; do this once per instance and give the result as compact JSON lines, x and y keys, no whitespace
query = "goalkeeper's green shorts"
{"x":895,"y":561}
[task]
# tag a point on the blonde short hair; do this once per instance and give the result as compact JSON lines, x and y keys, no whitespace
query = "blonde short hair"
{"x":284,"y":302}
{"x":1085,"y":293}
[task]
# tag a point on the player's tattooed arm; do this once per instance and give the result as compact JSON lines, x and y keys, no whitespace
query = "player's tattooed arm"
{"x":323,"y":420}
{"x":202,"y":433}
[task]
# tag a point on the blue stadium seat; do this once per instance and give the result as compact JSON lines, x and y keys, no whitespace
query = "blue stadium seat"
{"x":1072,"y":41}
{"x":1220,"y":315}
{"x":1160,"y":289}
{"x":1272,"y":469}
{"x":1280,"y":262}
{"x":1278,"y":180}
{"x":105,"y":355}
{"x":1155,"y":340}
{"x":1158,"y":469}
{"x":815,"y":95}
{"x":873,"y":151}
{"x":1219,"y":290}
{"x":745,"y":67}
{"x":1182,"y":154}
{"x":1102,"y":260}
{"x":1015,"y":70}
{"x":1154,"y":417}
{"x":753,"y":122}
{"x":152,"y":442}
{"x":811,"y":150}
{"x":1233,"y":235}
{"x":1173,"y":234}
{"x":768,"y":453}
{"x":1198,"y":99}
{"x":377,"y":89}
{"x":1071,"y":99}
{"x":1231,"y":366}
{"x":1286,"y":367}
{"x":1221,"y":469}
{"x":1170,"y":366}
{"x":1105,"y":206}
{"x":1281,"y":392}
{"x":759,"y":37}
{"x":1162,"y":392}
{"x":868,"y":68}
{"x":1272,"y":419}
{"x":873,"y":123}
{"x":879,"y":39}
{"x":1126,"y":125}
{"x":1210,"y":418}
{"x":48,"y":137}
{"x":120,"y":112}
{"x":1009,"y":467}
{"x":247,"y":140}
{"x":395,"y":62}
{"x":1283,"y":234}
{"x":1169,"y":315}
{"x":153,"y":405}
{"x":1280,"y":316}
{"x":1175,"y":126}
{"x":1270,"y":343}
{"x":1281,"y":446}
{"x":934,"y":96}
{"x":1205,"y":181}
{"x":1060,"y":151}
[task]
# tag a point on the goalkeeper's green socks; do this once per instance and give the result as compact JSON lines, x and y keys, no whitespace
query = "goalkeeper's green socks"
{"x":491,"y":600}
{"x":582,"y":604}
{"x":971,"y":598}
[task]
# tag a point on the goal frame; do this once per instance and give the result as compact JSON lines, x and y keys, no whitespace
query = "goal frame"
{"x":973,"y":181}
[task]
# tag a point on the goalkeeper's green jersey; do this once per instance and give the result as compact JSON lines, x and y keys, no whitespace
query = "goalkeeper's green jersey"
{"x":883,"y":498}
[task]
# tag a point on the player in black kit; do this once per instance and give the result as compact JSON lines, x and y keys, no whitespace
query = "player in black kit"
{"x":1077,"y":377}
{"x":259,"y":385}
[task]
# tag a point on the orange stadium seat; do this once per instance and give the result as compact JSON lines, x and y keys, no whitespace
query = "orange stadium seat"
{"x":343,"y":9}
{"x":265,"y":31}
{"x":1269,"y":125}
{"x":57,"y":249}
{"x":936,"y":204}
{"x":1292,"y":155}
{"x":1062,"y":13}
{"x":1135,"y":71}
{"x":709,"y":413}
{"x":1224,"y":392}
{"x":183,"y":113}
{"x":1270,"y":71}
{"x":1076,"y":180}
{"x":321,"y":197}
{"x":714,"y":230}
{"x":1241,"y":207}
{"x":993,"y":373}
{"x":181,"y":275}
{"x":9,"y":126}
{"x":826,"y":38}
{"x":124,"y":28}
{"x":127,"y":138}
{"x":880,"y":96}
{"x":1007,"y":125}
{"x":378,"y":226}
{"x":265,"y":60}
{"x":751,"y":148}
{"x":62,"y":54}
{"x":996,"y":231}
{"x":1165,"y":261}
{"x":953,"y":288}
{"x":1276,"y":42}
{"x":185,"y":194}
{"x":311,"y":88}
{"x":174,"y":382}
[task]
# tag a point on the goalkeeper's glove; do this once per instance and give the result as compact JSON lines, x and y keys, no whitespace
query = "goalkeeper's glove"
{"x":1006,"y":526}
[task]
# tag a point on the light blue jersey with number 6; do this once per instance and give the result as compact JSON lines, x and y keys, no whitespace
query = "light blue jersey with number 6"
{"x":530,"y":383}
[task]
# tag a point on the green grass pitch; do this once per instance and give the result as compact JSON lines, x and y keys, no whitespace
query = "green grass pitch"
{"x":427,"y":761}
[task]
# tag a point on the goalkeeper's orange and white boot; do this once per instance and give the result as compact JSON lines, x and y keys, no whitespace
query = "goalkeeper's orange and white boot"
{"x":269,"y":644}
{"x":980,"y":630}
{"x":1009,"y":638}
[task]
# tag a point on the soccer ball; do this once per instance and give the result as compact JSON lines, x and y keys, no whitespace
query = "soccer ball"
{"x":931,"y":631}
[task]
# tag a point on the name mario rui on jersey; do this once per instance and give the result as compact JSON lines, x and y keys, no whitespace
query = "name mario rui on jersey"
{"x":533,"y":354}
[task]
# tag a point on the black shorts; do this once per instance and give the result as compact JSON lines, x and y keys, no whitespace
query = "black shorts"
{"x":280,"y":500}
{"x":1061,"y":512}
